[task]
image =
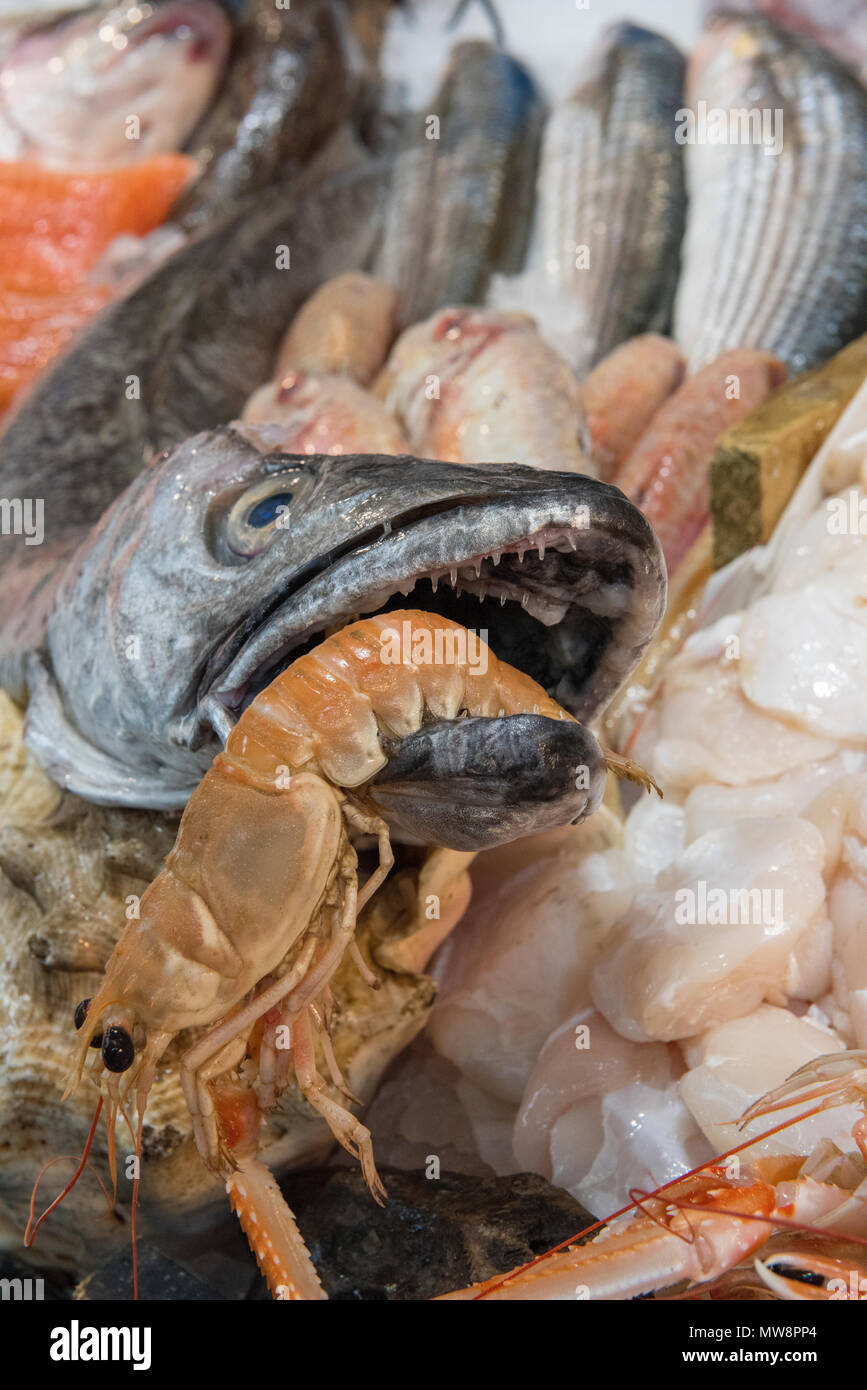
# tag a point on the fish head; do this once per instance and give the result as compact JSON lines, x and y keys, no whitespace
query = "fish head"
{"x":223,"y":563}
{"x":117,"y":83}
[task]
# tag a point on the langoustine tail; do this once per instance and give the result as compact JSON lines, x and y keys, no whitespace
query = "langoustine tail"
{"x":269,"y":1225}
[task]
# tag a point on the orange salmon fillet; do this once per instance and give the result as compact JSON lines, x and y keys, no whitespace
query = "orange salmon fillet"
{"x":54,"y":226}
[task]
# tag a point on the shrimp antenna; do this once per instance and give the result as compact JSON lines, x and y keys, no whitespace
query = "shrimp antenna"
{"x":30,"y":1236}
{"x":135,"y":1183}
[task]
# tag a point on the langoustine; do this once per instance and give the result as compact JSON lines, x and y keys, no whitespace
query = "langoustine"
{"x":244,"y":929}
{"x":685,"y":1236}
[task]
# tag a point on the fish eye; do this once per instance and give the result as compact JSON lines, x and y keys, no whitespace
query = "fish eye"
{"x":265,"y":510}
{"x":79,"y":1017}
{"x":117,"y":1049}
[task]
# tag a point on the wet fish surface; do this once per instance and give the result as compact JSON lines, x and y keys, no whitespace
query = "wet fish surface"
{"x":286,"y":91}
{"x":603,"y":259}
{"x":181,"y":353}
{"x":775,"y":252}
{"x":474,"y":386}
{"x":344,"y":329}
{"x":300,"y":413}
{"x":461,"y":196}
{"x":221,"y":564}
{"x":117,"y":84}
{"x":667,"y":474}
{"x":623,"y":393}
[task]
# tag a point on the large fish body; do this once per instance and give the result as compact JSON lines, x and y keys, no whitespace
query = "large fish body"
{"x":181,"y":353}
{"x":775,"y":253}
{"x":114,"y":85}
{"x":286,"y":91}
{"x":222,"y":563}
{"x":603,"y":258}
{"x":461,"y":196}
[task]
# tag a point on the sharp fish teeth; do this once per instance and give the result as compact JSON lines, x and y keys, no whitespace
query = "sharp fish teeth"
{"x":454,"y":576}
{"x":502,"y":600}
{"x":478,"y":571}
{"x":541,"y":552}
{"x":434,"y":581}
{"x":495,"y":556}
{"x":525,"y":599}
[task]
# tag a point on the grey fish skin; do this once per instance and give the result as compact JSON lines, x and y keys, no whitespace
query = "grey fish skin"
{"x":286,"y":92}
{"x":610,"y":180}
{"x":775,"y":253}
{"x":189,"y":596}
{"x":460,"y":205}
{"x":199,"y":335}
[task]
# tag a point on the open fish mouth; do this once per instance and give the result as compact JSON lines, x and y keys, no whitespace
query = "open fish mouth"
{"x":569,"y":589}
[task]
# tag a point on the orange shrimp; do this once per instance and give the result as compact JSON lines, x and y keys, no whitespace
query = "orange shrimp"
{"x":244,"y":928}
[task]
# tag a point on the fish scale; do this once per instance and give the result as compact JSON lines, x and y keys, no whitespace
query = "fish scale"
{"x":462,"y":198}
{"x":611,"y":179}
{"x":775,"y":252}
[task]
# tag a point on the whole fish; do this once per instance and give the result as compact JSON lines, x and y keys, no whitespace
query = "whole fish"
{"x":775,"y":253}
{"x":667,"y":474}
{"x":344,"y":329}
{"x":116,"y":84}
{"x":322,"y":415}
{"x":180,"y":353}
{"x":461,"y":195}
{"x":474,"y":386}
{"x":220,"y":564}
{"x":286,"y":91}
{"x":603,"y":259}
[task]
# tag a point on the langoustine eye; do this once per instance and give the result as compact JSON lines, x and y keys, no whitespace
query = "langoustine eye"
{"x":79,"y":1017}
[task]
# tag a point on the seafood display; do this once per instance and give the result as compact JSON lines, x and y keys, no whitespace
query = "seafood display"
{"x":135,"y":382}
{"x":433,"y":471}
{"x":565,"y":572}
